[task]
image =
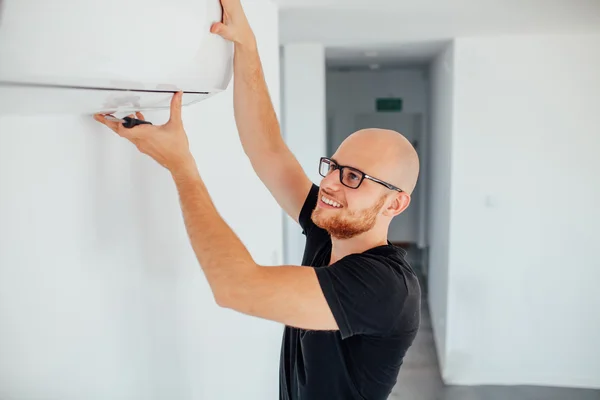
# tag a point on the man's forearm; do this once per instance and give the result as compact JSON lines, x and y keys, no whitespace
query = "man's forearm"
{"x":255,"y":116}
{"x":224,"y":259}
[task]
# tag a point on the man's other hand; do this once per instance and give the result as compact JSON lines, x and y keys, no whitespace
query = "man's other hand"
{"x":167,"y":144}
{"x":235,"y":26}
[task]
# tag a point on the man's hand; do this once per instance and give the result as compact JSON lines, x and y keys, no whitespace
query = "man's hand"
{"x":235,"y":26}
{"x":167,"y":144}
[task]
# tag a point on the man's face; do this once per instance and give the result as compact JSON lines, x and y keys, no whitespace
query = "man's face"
{"x":353,"y":212}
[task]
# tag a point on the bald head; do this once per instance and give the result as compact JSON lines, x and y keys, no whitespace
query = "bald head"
{"x":383,"y":154}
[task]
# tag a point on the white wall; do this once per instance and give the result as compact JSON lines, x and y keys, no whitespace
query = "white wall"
{"x":351,"y":94}
{"x":523,"y":268}
{"x":438,"y":199}
{"x":100,"y":293}
{"x":303,"y":105}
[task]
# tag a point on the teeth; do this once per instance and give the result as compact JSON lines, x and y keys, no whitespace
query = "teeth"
{"x":330,"y":202}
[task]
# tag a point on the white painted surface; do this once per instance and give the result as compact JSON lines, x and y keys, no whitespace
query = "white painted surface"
{"x":83,"y":48}
{"x":112,"y":44}
{"x":438,"y":201}
{"x":523,"y":266}
{"x":303,"y":122}
{"x":100,"y":293}
{"x":360,"y":23}
{"x":352,"y":94}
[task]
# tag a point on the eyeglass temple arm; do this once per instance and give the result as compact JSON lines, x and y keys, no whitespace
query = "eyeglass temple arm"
{"x":389,"y":186}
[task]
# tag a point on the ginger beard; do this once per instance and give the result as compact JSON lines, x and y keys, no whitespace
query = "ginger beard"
{"x":346,"y":224}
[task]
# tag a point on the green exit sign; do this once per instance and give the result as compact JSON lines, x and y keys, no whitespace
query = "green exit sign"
{"x":389,"y":104}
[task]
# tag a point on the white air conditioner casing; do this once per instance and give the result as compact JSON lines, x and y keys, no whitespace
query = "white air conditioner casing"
{"x":87,"y":56}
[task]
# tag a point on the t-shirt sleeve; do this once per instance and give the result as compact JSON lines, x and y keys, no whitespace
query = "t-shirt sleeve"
{"x":309,"y":205}
{"x":364,"y":295}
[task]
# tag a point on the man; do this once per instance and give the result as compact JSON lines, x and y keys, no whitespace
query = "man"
{"x":353,"y":308}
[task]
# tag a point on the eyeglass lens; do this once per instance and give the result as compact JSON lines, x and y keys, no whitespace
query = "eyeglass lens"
{"x":350,"y":177}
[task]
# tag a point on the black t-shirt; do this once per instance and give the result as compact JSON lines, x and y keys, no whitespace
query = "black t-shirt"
{"x":375,"y":299}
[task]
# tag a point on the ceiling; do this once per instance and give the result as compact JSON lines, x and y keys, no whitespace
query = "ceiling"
{"x":374,"y":57}
{"x":404,"y":32}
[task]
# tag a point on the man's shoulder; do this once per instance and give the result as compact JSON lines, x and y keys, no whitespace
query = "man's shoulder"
{"x":389,"y":264}
{"x":400,"y":284}
{"x":310,"y":203}
{"x":388,"y":259}
{"x":380,"y":286}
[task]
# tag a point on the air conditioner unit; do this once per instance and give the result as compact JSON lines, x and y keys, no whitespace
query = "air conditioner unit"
{"x":88,"y":56}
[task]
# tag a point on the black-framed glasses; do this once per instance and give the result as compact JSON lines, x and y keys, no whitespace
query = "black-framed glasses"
{"x":349,"y":176}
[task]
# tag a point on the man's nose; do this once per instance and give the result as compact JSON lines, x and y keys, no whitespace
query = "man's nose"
{"x":332,"y":181}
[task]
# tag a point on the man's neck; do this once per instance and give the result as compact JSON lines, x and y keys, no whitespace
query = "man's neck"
{"x":340,"y":248}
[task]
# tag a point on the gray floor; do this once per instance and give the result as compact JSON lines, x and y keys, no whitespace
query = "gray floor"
{"x":420,"y":379}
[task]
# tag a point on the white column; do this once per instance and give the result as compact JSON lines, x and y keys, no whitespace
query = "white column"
{"x":303,"y":123}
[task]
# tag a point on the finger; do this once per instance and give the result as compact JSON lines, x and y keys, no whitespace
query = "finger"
{"x":139,"y":115}
{"x":119,"y":128}
{"x":222,"y":30}
{"x":216,"y":27}
{"x":176,"y":107}
{"x":137,"y":132}
{"x":111,"y":124}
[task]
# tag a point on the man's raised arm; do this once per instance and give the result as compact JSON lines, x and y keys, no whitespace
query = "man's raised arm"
{"x":255,"y":116}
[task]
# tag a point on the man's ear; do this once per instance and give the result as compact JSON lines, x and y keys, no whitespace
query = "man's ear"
{"x":400,"y":202}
